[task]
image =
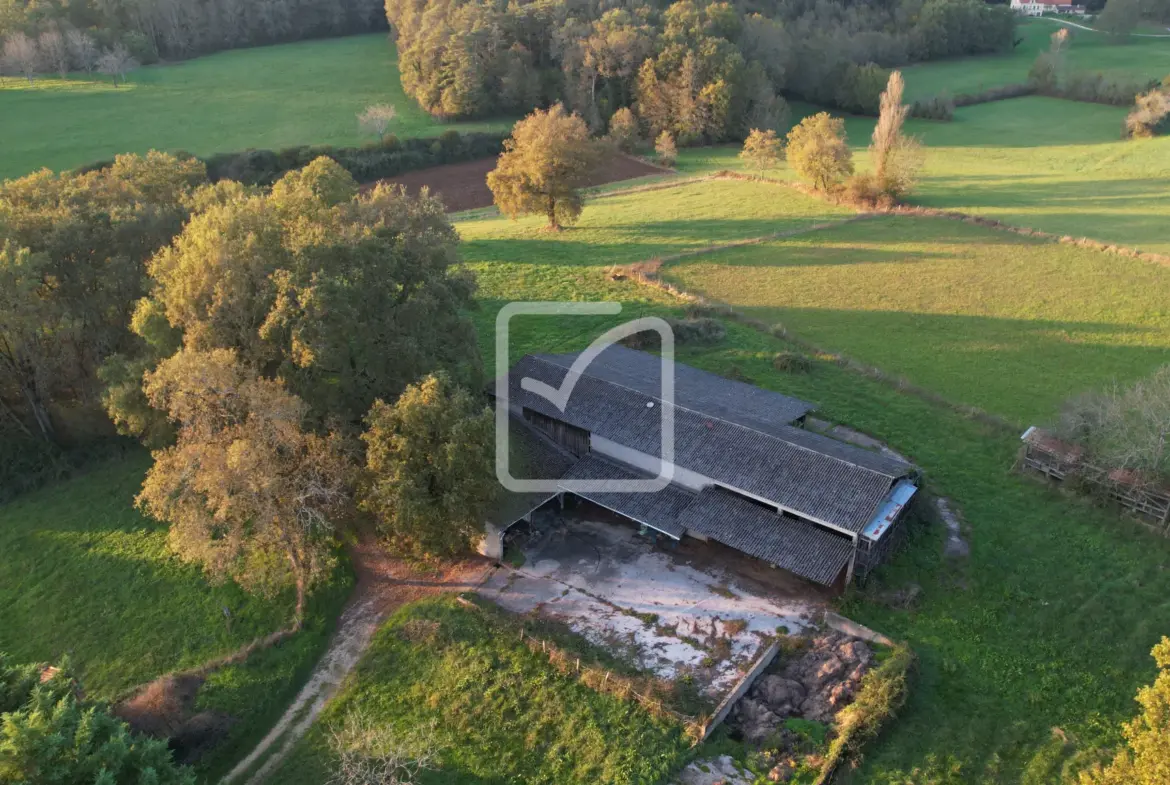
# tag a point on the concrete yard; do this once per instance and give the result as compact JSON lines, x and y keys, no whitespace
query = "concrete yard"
{"x":675,"y":609}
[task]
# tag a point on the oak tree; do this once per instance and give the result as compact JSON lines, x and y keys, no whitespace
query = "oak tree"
{"x":545,"y":162}
{"x":250,"y":493}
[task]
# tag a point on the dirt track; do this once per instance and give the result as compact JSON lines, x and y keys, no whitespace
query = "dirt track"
{"x":383,"y":585}
{"x":464,"y":186}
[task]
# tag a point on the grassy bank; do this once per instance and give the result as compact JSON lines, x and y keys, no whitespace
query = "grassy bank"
{"x":491,"y":709}
{"x":268,"y":97}
{"x":1146,"y":58}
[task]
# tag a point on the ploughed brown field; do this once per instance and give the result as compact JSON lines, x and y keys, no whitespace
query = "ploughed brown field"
{"x":463,"y":186}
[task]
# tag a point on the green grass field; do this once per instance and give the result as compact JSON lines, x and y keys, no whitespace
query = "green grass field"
{"x":1059,"y":166}
{"x":1050,"y":622}
{"x":83,"y":574}
{"x":268,"y":97}
{"x":1010,"y":324}
{"x":1147,"y":58}
{"x":493,"y":710}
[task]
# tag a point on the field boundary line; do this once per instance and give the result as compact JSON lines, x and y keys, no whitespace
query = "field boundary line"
{"x":971,"y":218}
{"x":647,"y":273}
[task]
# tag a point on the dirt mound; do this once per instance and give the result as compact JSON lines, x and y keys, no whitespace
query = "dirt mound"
{"x":463,"y":186}
{"x":164,"y":709}
{"x":814,"y":686}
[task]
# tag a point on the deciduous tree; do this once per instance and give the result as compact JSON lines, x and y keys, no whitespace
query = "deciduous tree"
{"x":665,"y":149}
{"x":116,"y":62}
{"x":819,"y":152}
{"x":54,"y":52}
{"x":82,"y":50}
{"x":545,"y":163}
{"x":896,"y":157}
{"x":283,"y":278}
{"x":1145,"y":758}
{"x":21,"y":55}
{"x":376,"y":118}
{"x":429,"y":461}
{"x":761,"y":149}
{"x":248,"y":490}
{"x":623,"y":130}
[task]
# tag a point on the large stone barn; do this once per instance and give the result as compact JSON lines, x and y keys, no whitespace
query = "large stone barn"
{"x":745,"y":472}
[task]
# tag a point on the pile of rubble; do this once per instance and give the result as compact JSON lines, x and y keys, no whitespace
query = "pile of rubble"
{"x":813,"y":686}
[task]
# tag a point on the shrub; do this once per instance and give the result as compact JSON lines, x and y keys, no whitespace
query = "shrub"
{"x":697,"y":330}
{"x":939,"y":107}
{"x":864,"y":190}
{"x":387,"y":158}
{"x":623,"y":130}
{"x":665,"y":148}
{"x":792,"y":362}
{"x":1149,"y":114}
{"x":882,"y":693}
{"x":761,"y":149}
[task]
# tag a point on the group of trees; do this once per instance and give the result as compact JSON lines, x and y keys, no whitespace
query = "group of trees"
{"x":149,"y":29}
{"x":56,"y":52}
{"x":264,"y":342}
{"x":49,"y":734}
{"x":1123,"y":427}
{"x":700,"y":71}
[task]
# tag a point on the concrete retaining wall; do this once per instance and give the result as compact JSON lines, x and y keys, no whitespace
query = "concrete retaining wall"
{"x":850,"y":627}
{"x":742,"y":687}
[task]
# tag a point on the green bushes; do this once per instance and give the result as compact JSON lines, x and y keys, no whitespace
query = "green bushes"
{"x":942,"y":106}
{"x":387,"y":158}
{"x":882,"y":693}
{"x":792,"y":362}
{"x":49,"y":734}
{"x":375,"y":161}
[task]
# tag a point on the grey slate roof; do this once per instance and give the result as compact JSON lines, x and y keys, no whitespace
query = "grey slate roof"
{"x":811,"y":475}
{"x":802,"y":548}
{"x":659,"y":510}
{"x":700,"y":391}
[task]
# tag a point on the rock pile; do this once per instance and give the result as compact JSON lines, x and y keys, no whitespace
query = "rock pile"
{"x":814,"y":686}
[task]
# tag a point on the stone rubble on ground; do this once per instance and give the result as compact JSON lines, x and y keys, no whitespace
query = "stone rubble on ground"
{"x":815,"y":686}
{"x":715,"y":771}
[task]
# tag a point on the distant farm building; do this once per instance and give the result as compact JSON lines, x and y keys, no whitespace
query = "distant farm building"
{"x":1040,"y":8}
{"x":745,"y":473}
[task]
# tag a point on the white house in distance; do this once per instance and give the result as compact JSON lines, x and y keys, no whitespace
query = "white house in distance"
{"x":1041,"y":7}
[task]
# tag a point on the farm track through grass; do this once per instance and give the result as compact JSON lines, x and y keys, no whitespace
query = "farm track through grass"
{"x":267,"y":97}
{"x":493,"y":710}
{"x":1047,"y":624}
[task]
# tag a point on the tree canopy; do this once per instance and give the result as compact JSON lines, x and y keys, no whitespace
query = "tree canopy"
{"x":819,"y":152}
{"x":429,"y":458}
{"x":249,"y":492}
{"x":48,"y":734}
{"x":545,"y":162}
{"x":703,"y":71}
{"x":282,"y":278}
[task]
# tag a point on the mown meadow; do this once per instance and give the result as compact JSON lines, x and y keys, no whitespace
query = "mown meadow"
{"x":266,"y":98}
{"x":1050,"y":621}
{"x":85,"y":576}
{"x":1010,"y":324}
{"x":1146,"y":58}
{"x":1042,"y":163}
